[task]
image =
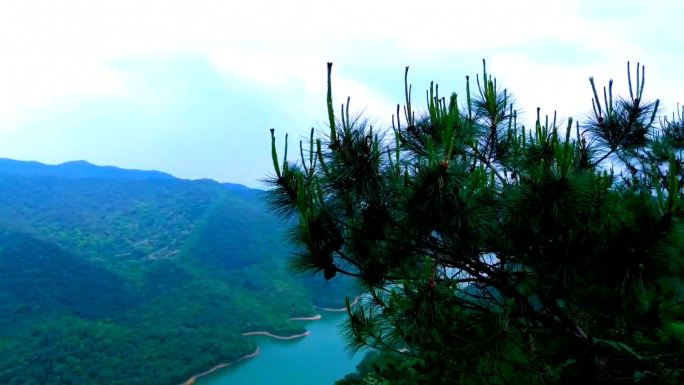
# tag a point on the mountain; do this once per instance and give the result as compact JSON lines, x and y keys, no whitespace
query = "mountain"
{"x":114,"y":276}
{"x":78,"y":169}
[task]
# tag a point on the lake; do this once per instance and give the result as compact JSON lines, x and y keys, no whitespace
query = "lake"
{"x":317,"y":359}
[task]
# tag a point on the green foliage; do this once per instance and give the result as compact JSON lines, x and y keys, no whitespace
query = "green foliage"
{"x":139,"y":281}
{"x":492,"y":253}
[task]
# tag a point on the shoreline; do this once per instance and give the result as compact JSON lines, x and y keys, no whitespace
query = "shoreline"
{"x":316,"y":317}
{"x":194,"y":378}
{"x":310,"y":318}
{"x":356,"y":300}
{"x":269,"y":334}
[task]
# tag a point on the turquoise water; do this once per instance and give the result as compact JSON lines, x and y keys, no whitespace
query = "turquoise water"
{"x":318,"y":359}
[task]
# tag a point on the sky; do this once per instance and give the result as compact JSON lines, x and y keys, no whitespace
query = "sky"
{"x":192,"y":87}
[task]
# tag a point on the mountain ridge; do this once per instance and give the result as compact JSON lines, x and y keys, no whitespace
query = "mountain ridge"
{"x":83,"y":169}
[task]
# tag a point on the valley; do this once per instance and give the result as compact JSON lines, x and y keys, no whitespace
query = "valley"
{"x":109,"y":276}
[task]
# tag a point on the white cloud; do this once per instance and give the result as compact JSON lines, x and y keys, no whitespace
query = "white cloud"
{"x":32,"y":84}
{"x":278,"y":69}
{"x":68,"y":50}
{"x":52,"y":49}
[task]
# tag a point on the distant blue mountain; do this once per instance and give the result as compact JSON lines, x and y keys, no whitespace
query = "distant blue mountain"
{"x":81,"y":169}
{"x":78,"y":169}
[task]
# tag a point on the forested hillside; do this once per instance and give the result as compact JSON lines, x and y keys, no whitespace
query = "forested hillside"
{"x":110,"y":276}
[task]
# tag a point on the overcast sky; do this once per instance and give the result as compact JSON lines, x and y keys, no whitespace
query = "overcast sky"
{"x":192,"y":87}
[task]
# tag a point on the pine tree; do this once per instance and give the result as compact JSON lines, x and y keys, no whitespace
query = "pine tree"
{"x":491,"y":253}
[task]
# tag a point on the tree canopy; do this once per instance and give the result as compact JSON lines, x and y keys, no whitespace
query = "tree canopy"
{"x":493,"y":253}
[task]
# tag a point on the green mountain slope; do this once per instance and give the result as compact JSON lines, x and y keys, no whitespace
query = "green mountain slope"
{"x":130,"y":280}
